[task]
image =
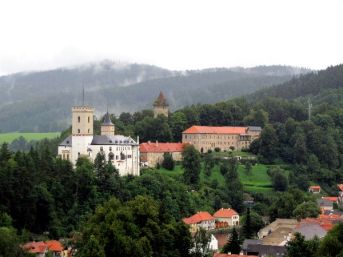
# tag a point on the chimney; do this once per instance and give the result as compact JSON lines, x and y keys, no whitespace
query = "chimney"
{"x":156,"y":143}
{"x":149,"y":142}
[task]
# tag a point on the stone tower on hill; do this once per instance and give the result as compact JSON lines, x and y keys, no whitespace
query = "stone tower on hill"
{"x":161,"y":106}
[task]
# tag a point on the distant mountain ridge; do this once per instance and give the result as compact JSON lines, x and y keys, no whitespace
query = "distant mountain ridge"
{"x":41,"y":101}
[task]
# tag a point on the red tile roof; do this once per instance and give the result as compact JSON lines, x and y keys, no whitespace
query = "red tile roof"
{"x":231,"y":255}
{"x":215,"y":130}
{"x":225,"y":213}
{"x":160,"y":147}
{"x":330,"y":198}
{"x":315,"y":187}
{"x":54,"y":246}
{"x":340,"y":187}
{"x":35,"y":247}
{"x":198,"y":217}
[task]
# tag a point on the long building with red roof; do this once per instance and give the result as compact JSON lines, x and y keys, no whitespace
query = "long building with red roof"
{"x":152,"y":153}
{"x":206,"y":138}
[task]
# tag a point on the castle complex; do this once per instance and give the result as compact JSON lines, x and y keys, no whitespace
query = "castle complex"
{"x":121,"y":151}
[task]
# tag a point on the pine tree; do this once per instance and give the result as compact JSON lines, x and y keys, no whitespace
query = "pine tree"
{"x":233,"y":244}
{"x":247,"y":231}
{"x":168,"y":161}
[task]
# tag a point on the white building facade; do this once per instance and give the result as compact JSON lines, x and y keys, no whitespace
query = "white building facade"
{"x":121,"y":151}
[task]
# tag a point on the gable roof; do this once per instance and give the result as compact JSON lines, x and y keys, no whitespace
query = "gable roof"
{"x":330,"y":198}
{"x":35,"y":247}
{"x":215,"y":130}
{"x":315,"y":187}
{"x":112,"y":140}
{"x":67,"y":142}
{"x":198,"y":217}
{"x":54,"y":246}
{"x":161,"y":100}
{"x":160,"y":147}
{"x":225,"y":213}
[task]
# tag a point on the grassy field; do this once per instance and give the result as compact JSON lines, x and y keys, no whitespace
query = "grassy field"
{"x":257,"y":181}
{"x":9,"y":137}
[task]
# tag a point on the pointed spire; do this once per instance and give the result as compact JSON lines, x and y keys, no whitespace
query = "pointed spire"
{"x":107,"y":119}
{"x":161,"y":100}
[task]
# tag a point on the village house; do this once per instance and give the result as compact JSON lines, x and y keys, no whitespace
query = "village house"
{"x":121,"y":151}
{"x":199,"y":220}
{"x":231,"y":255}
{"x":206,"y":138}
{"x":226,"y":218}
{"x":153,"y":153}
{"x":314,"y":189}
{"x":40,"y":249}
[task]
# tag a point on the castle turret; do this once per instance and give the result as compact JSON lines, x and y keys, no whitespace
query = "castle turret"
{"x":107,"y":127}
{"x":161,"y":106}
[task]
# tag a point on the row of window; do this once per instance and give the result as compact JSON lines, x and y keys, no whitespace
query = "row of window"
{"x":79,"y":119}
{"x":79,"y":131}
{"x":209,"y":137}
{"x":119,"y":148}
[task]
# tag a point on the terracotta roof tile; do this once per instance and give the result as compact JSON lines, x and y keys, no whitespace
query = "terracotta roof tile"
{"x":55,"y":246}
{"x":225,"y":213}
{"x":35,"y":247}
{"x":215,"y":130}
{"x":330,"y":198}
{"x":198,"y":217}
{"x":161,"y":147}
{"x":314,"y":187}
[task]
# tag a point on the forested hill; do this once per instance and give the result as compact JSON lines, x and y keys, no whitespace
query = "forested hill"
{"x":324,"y":83}
{"x":41,"y":101}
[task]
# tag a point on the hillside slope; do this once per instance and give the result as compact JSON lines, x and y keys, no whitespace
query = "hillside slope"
{"x":41,"y":101}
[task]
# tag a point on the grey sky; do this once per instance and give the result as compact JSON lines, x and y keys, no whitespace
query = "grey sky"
{"x":176,"y":34}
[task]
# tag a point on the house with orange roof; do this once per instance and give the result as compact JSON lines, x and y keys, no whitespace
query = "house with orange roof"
{"x":314,"y":189}
{"x":200,"y":220}
{"x":226,"y":218}
{"x":206,"y":138}
{"x":40,"y":249}
{"x":152,"y":153}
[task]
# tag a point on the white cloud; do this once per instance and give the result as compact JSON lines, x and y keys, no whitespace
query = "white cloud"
{"x":43,"y":34}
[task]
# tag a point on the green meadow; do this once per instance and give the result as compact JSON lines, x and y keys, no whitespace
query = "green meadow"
{"x":256,"y":181}
{"x":9,"y":137}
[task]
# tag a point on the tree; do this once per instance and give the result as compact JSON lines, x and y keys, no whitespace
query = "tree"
{"x":233,"y":243}
{"x":306,"y":209}
{"x":247,"y":230}
{"x":209,"y":163}
{"x":280,"y":182}
{"x":191,"y":165}
{"x":201,"y":243}
{"x":298,"y":247}
{"x":248,"y":167}
{"x":91,"y":248}
{"x":251,"y":225}
{"x":332,"y":244}
{"x":268,"y":144}
{"x":168,"y":161}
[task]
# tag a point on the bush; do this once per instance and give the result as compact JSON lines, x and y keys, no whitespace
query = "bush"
{"x":217,"y":149}
{"x":168,"y":161}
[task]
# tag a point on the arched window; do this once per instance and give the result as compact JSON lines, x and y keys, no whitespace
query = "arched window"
{"x":110,"y":156}
{"x":122,"y":156}
{"x":78,"y":119}
{"x":89,"y":119}
{"x":79,"y":131}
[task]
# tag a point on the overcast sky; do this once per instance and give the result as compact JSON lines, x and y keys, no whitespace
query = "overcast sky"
{"x":185,"y":34}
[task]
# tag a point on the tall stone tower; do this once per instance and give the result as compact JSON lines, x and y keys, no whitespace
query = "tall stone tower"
{"x":82,"y":130}
{"x":107,"y":127}
{"x":161,"y":106}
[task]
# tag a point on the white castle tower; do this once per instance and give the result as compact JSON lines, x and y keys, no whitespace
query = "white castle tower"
{"x":82,"y":131}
